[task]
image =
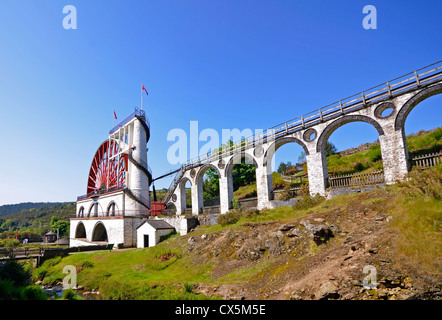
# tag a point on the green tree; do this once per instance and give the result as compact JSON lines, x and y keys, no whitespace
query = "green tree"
{"x":211,"y":184}
{"x":61,"y":226}
{"x":283,"y":167}
{"x":330,"y":149}
{"x":301,"y":157}
{"x":243,"y":174}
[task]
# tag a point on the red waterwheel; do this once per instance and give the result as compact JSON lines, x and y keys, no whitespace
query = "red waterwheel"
{"x":106,"y":170}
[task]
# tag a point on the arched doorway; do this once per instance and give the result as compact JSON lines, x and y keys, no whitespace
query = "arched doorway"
{"x":80,"y":231}
{"x":99,"y":233}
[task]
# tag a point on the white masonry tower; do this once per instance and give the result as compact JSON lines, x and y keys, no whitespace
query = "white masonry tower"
{"x":117,"y":200}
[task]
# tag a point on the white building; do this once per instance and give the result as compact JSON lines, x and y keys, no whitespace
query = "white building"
{"x":117,"y":201}
{"x":152,"y":232}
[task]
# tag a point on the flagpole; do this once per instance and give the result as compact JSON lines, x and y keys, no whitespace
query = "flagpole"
{"x":141,"y":97}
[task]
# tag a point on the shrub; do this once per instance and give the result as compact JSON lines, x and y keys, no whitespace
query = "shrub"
{"x":15,"y":272}
{"x":188,"y":287}
{"x":375,"y":153}
{"x":70,"y":294}
{"x":11,"y":243}
{"x":230,"y":217}
{"x":251,"y":213}
{"x":287,"y":193}
{"x":359,"y":166}
{"x":422,"y":182}
{"x":7,"y":290}
{"x":304,"y":190}
{"x":33,"y":293}
{"x":308,"y":202}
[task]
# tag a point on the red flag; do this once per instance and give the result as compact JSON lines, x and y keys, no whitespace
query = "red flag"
{"x":144,"y":89}
{"x":115,"y":115}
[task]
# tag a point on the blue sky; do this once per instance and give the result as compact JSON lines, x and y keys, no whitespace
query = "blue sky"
{"x":226,"y":64}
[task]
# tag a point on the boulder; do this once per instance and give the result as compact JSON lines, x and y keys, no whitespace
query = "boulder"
{"x":319,"y":232}
{"x":327,"y":291}
{"x":296,"y":232}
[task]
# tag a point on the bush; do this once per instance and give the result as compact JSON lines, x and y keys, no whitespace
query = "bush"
{"x":359,"y":166}
{"x":188,"y":287}
{"x":7,"y":290}
{"x":251,"y":213}
{"x":70,"y":294}
{"x":304,"y":190}
{"x":10,"y":243}
{"x":287,"y":193}
{"x":423,"y":182}
{"x":15,"y":272}
{"x":230,"y":217}
{"x":375,"y":153}
{"x":308,"y":202}
{"x":33,"y":293}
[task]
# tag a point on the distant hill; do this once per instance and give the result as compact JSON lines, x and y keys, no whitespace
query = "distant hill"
{"x":36,"y":220}
{"x":14,"y":208}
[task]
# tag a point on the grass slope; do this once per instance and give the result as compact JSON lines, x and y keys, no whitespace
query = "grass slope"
{"x":253,"y":256}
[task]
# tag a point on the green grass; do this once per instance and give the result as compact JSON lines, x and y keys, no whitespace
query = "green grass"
{"x":371,"y":160}
{"x":246,"y":274}
{"x":140,"y":273}
{"x":418,"y":218}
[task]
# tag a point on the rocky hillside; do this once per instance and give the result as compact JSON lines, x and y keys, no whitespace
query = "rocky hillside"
{"x":318,"y":249}
{"x":321,"y":253}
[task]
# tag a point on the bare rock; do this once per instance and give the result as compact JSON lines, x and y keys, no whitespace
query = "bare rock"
{"x":327,"y":291}
{"x":295,"y":233}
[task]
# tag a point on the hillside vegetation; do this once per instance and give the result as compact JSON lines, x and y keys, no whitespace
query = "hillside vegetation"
{"x":315,"y":250}
{"x":14,"y":208}
{"x":34,"y":220}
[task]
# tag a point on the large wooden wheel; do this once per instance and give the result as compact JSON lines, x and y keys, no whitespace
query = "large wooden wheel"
{"x":107,"y":170}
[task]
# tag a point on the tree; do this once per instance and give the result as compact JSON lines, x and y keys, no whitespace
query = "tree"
{"x":301,"y":157}
{"x":61,"y":226}
{"x":211,"y":185}
{"x":283,"y":167}
{"x":243,"y":174}
{"x":330,"y":149}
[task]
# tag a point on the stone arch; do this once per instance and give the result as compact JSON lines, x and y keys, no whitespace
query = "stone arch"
{"x":111,"y":209}
{"x":171,"y":206}
{"x":414,"y":101}
{"x":199,"y":182}
{"x":81,"y":212}
{"x":99,"y":232}
{"x":93,"y":210}
{"x":203,"y":169}
{"x":326,"y":133}
{"x":268,"y":155}
{"x":237,"y":157}
{"x":80,"y":231}
{"x":184,"y":181}
{"x":182,"y":193}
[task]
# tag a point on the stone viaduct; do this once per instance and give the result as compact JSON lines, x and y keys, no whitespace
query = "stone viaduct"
{"x":385,"y":107}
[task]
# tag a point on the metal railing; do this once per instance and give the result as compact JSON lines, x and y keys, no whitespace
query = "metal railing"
{"x":137,"y":112}
{"x":361,"y":100}
{"x":101,"y":192}
{"x":111,"y":214}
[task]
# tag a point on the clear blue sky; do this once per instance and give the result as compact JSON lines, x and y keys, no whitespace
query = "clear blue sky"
{"x":227,"y":64}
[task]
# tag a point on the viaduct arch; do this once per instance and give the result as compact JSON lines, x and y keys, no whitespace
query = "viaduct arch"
{"x":385,"y":107}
